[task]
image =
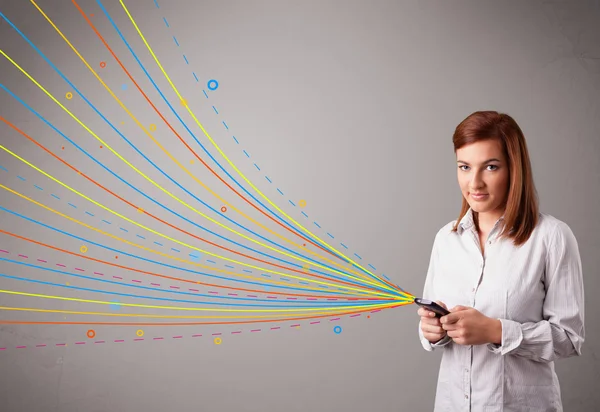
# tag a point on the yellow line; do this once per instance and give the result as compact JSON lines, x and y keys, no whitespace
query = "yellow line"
{"x":227,"y":159}
{"x":138,"y":305}
{"x":160,"y":253}
{"x":195,"y":178}
{"x":72,"y":312}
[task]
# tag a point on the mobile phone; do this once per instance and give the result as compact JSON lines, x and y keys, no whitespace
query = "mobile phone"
{"x":432,"y":306}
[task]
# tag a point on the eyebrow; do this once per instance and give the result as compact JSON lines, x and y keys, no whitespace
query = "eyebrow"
{"x":487,"y":161}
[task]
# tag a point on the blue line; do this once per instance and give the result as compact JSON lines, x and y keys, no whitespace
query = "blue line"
{"x":159,"y":244}
{"x":106,"y":221}
{"x":305,"y":215}
{"x":37,"y":187}
{"x":124,"y":230}
{"x":229,"y":266}
{"x":3,"y":168}
{"x":257,"y":167}
{"x":225,"y":124}
{"x":330,"y":235}
{"x":196,"y":77}
{"x":141,"y":237}
{"x":175,"y":250}
{"x":248,"y":271}
{"x":269,"y":180}
{"x":170,"y":106}
{"x":165,"y":19}
{"x":246,"y":153}
{"x":236,"y":140}
{"x":291,"y":203}
{"x":176,"y":42}
{"x":156,"y":4}
{"x":373,"y":267}
{"x":204,"y":91}
{"x":22,"y":178}
{"x":357,"y":256}
{"x":88,"y":213}
{"x":344,"y":245}
{"x":317,"y":225}
{"x":53,"y":195}
{"x":186,"y":60}
{"x":215,"y":109}
{"x":140,"y":257}
{"x":72,"y":205}
{"x":321,"y":304}
{"x":279,"y":190}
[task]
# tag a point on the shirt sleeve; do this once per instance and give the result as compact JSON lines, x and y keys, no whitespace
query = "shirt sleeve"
{"x":561,"y":332}
{"x":428,"y":294}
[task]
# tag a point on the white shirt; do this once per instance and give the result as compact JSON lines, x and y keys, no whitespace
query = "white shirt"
{"x":536,"y":290}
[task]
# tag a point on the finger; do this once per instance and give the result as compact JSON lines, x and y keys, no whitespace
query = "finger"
{"x":432,"y":329}
{"x":431,"y":321}
{"x":458,"y":308}
{"x":450,"y":326}
{"x":442,"y":304}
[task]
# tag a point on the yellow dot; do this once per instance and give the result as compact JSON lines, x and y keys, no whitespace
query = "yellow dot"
{"x":140,"y":332}
{"x":69,"y":95}
{"x":218,"y":341}
{"x":192,"y":161}
{"x":83,"y":249}
{"x":302,"y":203}
{"x":152,"y":127}
{"x":122,"y":122}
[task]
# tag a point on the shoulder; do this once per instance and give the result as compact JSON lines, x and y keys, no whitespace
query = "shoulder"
{"x":554,"y":231}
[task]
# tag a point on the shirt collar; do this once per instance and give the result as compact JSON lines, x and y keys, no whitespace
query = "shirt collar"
{"x":467,"y":221}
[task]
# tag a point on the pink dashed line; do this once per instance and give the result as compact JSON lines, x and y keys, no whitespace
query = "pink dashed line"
{"x":100,"y":341}
{"x":157,"y":338}
{"x":135,"y":280}
{"x":41,"y":346}
{"x":117,"y":277}
{"x":138,"y":339}
{"x":23,"y":256}
{"x":175,"y":287}
{"x":255,"y":330}
{"x":119,"y":341}
{"x":355,"y":315}
{"x":291,"y":326}
{"x":238,"y":331}
{"x":196,"y":336}
{"x":216,"y":334}
{"x":79,"y":343}
{"x":276,"y":327}
{"x":61,"y":265}
{"x":314,"y":323}
{"x":154,"y":284}
{"x":98,"y":273}
{"x":194,"y":290}
{"x":311,"y":298}
{"x":61,"y":344}
{"x":42,"y":260}
{"x":210,"y":291}
{"x":3,"y":251}
{"x":232,"y":294}
{"x":271,"y":297}
{"x":21,"y":347}
{"x":81,"y":270}
{"x":2,"y":348}
{"x":331,"y":320}
{"x":252,"y":296}
{"x":292,"y":298}
{"x":177,"y":337}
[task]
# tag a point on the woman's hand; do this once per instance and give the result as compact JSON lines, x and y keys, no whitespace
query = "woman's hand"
{"x":430,"y":325}
{"x":468,"y":326}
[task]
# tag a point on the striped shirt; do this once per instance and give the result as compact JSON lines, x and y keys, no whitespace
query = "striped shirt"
{"x":535,"y":290}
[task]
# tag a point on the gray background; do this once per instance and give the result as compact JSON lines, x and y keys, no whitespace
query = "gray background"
{"x":349,"y":105}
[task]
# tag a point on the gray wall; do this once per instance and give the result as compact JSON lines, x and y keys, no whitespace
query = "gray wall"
{"x":349,"y":105}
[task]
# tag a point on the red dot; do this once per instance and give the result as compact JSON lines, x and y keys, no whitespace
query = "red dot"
{"x":103,"y":64}
{"x":63,"y":148}
{"x":223,"y":209}
{"x":100,"y":147}
{"x":116,"y":257}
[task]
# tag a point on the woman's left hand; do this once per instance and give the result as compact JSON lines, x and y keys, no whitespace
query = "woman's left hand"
{"x":468,"y":326}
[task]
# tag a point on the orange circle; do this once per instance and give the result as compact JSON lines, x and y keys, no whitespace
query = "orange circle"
{"x":63,"y":148}
{"x":91,"y":333}
{"x":116,"y":257}
{"x":100,"y":147}
{"x":223,"y":209}
{"x":103,"y":64}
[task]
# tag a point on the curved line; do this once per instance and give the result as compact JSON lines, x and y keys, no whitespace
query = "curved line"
{"x":227,"y":159}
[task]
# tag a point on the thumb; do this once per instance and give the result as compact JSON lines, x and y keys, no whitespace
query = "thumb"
{"x":442,"y":304}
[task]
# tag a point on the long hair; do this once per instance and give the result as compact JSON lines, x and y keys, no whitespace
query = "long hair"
{"x":522,"y":204}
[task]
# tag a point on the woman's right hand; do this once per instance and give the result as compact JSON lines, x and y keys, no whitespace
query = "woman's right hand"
{"x":430,"y":325}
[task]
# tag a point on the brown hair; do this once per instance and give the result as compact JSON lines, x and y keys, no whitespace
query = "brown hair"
{"x":522,"y":204}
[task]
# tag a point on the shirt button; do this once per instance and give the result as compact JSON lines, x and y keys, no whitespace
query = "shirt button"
{"x":490,"y":242}
{"x":466,"y":396}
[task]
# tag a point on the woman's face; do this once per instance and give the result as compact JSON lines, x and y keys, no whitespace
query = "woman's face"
{"x":483,"y":169}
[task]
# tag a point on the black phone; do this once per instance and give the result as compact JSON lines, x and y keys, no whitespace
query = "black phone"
{"x":432,"y":306}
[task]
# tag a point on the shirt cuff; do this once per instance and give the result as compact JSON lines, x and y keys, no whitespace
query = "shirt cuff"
{"x":512,"y":336}
{"x":440,"y":343}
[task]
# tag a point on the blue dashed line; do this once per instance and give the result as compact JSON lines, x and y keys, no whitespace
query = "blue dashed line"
{"x":229,"y":266}
{"x":88,"y":213}
{"x":215,"y":109}
{"x":54,"y":196}
{"x":176,"y":42}
{"x":267,"y":177}
{"x":3,"y":168}
{"x":304,"y":283}
{"x":204,"y":91}
{"x":196,"y":77}
{"x":344,"y":245}
{"x":211,"y":261}
{"x":72,"y":205}
{"x":292,"y":203}
{"x":159,"y":244}
{"x":165,"y":19}
{"x":106,"y":221}
{"x":279,"y":190}
{"x":22,"y":178}
{"x":372,"y":266}
{"x":246,"y":153}
{"x":175,"y":250}
{"x":330,"y":235}
{"x":124,"y":230}
{"x":287,"y":280}
{"x":186,"y":60}
{"x":389,"y":279}
{"x":246,"y":270}
{"x":225,"y":124}
{"x":156,"y":4}
{"x":37,"y":187}
{"x":255,"y":165}
{"x":357,"y":256}
{"x":141,"y":237}
{"x":305,"y":215}
{"x":317,"y":225}
{"x":236,"y":140}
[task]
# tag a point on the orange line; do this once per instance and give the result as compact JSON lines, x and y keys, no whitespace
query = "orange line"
{"x":176,"y":227}
{"x":176,"y":278}
{"x":183,"y":141}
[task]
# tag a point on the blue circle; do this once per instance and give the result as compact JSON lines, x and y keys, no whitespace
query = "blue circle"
{"x":337,"y":329}
{"x":216,"y":83}
{"x":124,"y":87}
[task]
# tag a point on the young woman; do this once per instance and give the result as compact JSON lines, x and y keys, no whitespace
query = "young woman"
{"x":511,"y":276}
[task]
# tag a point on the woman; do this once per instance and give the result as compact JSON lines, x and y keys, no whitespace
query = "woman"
{"x":511,"y":276}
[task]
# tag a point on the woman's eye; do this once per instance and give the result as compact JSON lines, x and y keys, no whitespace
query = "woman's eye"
{"x":494,"y":166}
